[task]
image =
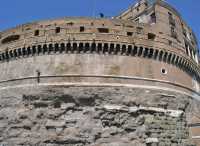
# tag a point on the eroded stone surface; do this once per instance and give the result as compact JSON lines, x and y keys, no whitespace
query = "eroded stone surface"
{"x":101,"y":116}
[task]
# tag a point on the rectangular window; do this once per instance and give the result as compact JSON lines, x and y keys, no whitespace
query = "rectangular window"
{"x":129,"y":33}
{"x":151,"y":36}
{"x":36,"y":33}
{"x":57,"y":29}
{"x":103,"y":30}
{"x":82,"y":29}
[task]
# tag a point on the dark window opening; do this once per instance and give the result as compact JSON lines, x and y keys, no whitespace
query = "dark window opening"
{"x":112,"y":46}
{"x":129,"y":33}
{"x":160,"y":55}
{"x":11,"y":53}
{"x":156,"y":54}
{"x":10,"y":39}
{"x":105,"y":48}
{"x":129,"y":50}
{"x":99,"y":48}
{"x":28,"y":51}
{"x":57,"y":29}
{"x":56,"y":48}
{"x":103,"y":30}
{"x":19,"y":52}
{"x":140,"y":51}
{"x":33,"y":50}
{"x":74,"y":47}
{"x":24,"y":52}
{"x":87,"y":47}
{"x":123,"y":49}
{"x":186,"y":48}
{"x":70,"y":23}
{"x":44,"y":48}
{"x":170,"y":14}
{"x":50,"y":48}
{"x":80,"y":47}
{"x":93,"y":47}
{"x":82,"y":29}
{"x":68,"y":46}
{"x":151,"y":36}
{"x":117,"y":49}
{"x":37,"y":32}
{"x":146,"y":51}
{"x":39,"y":49}
{"x":135,"y":50}
{"x":163,"y":71}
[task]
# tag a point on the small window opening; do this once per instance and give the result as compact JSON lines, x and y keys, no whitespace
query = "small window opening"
{"x":151,"y":36}
{"x":129,"y":33}
{"x":37,"y":32}
{"x":164,"y":71}
{"x":82,"y":29}
{"x":57,"y":29}
{"x":170,"y":14}
{"x":103,"y":30}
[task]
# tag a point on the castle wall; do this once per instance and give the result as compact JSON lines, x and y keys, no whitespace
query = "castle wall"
{"x":89,"y":115}
{"x":122,"y":49}
{"x":101,"y":82}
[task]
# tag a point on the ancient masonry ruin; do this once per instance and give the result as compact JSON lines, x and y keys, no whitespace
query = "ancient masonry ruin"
{"x":132,"y":80}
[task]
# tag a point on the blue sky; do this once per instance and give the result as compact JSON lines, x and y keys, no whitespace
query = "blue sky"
{"x":14,"y":12}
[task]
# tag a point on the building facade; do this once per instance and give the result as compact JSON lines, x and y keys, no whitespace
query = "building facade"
{"x":147,"y":54}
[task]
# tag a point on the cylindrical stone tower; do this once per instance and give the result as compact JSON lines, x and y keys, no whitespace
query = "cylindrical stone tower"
{"x":133,"y":80}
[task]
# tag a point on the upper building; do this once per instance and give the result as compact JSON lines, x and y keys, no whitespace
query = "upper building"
{"x":166,"y":23}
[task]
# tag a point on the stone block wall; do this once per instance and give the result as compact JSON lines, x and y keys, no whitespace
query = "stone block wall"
{"x":93,"y":116}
